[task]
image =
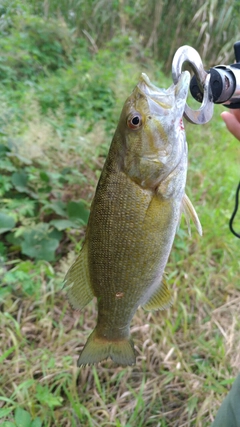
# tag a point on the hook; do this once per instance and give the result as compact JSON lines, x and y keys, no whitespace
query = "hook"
{"x":190,"y":55}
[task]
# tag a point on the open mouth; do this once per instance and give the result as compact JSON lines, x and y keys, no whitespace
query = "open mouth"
{"x":158,"y":95}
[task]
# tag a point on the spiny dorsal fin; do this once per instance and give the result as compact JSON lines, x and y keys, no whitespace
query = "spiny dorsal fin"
{"x":161,"y":299}
{"x":77,"y":281}
{"x":189,"y":211}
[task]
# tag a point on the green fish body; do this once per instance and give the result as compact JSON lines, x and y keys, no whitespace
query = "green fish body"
{"x":133,"y":220}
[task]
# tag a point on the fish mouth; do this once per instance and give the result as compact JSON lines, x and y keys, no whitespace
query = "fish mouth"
{"x":156,"y":94}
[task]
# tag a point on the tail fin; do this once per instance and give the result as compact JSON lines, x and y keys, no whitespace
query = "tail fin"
{"x":97,"y":349}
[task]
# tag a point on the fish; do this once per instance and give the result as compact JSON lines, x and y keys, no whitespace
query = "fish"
{"x":133,"y":219}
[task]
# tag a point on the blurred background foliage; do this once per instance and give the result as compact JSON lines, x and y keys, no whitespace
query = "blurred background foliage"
{"x":160,"y":25}
{"x":44,"y":35}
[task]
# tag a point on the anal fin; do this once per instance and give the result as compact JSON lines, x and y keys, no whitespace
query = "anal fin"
{"x":190,"y":212}
{"x":161,"y":299}
{"x":77,"y":281}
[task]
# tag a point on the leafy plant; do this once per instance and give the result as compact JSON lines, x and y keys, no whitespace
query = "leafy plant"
{"x":24,"y":278}
{"x":7,"y":222}
{"x":22,"y":418}
{"x":33,"y":216}
{"x":162,"y":26}
{"x":47,"y":398}
{"x":36,"y":47}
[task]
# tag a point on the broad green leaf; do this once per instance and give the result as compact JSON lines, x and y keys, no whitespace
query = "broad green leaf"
{"x":25,"y":266}
{"x":22,"y":418}
{"x":58,"y":207}
{"x":77,"y":211}
{"x":44,"y":176}
{"x":6,"y":165}
{"x":55,"y":234}
{"x":5,"y":184}
{"x":20,"y":180}
{"x":22,"y":206}
{"x":7,"y":222}
{"x":8,"y":423}
{"x":43,"y":249}
{"x":62,"y":224}
{"x":36,"y":423}
{"x":38,"y":244}
{"x":14,"y":240}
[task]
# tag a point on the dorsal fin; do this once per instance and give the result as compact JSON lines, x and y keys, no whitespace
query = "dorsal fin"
{"x":77,"y":281}
{"x":189,"y":211}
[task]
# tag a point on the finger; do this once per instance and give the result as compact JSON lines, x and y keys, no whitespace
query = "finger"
{"x":236,"y":113}
{"x":232,"y":122}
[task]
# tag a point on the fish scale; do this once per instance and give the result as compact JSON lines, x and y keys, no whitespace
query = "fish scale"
{"x":133,"y":220}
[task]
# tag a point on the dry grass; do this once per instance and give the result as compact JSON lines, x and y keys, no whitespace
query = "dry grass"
{"x":186,"y":356}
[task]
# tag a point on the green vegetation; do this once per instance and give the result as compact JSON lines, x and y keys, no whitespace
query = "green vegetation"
{"x":65,"y":71}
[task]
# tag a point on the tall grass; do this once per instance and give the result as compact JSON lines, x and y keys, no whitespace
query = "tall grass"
{"x":210,"y":26}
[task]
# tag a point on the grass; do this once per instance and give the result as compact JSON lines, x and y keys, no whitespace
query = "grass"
{"x":187,"y":356}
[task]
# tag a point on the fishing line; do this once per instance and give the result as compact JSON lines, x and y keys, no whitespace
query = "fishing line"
{"x":235,"y":212}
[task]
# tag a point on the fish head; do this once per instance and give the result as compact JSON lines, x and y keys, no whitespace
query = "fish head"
{"x":152,"y":129}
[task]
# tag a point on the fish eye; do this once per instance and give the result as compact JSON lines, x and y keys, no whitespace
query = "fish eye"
{"x":134,"y":121}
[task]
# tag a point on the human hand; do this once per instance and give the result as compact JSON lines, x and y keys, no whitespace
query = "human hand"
{"x":232,"y":120}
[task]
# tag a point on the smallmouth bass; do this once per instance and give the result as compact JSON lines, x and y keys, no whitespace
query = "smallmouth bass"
{"x":133,"y":219}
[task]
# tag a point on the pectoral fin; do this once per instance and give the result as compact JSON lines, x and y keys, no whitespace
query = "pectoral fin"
{"x":189,"y":211}
{"x":77,"y":281}
{"x":161,"y":299}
